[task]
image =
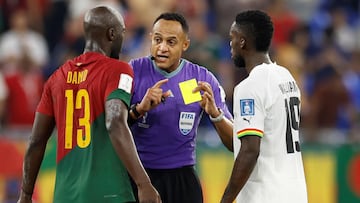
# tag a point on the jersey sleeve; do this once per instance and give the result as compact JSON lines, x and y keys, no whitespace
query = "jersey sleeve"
{"x":250,"y":109}
{"x":45,"y":105}
{"x":131,"y":63}
{"x":120,"y":83}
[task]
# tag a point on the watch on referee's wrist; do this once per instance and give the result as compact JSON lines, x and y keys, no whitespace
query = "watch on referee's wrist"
{"x":135,"y":112}
{"x":218,"y":118}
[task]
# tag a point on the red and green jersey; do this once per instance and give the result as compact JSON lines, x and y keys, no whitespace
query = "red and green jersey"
{"x":88,"y":168}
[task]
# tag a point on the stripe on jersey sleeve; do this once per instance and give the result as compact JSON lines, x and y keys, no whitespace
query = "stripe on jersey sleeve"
{"x":250,"y":131}
{"x":120,"y":94}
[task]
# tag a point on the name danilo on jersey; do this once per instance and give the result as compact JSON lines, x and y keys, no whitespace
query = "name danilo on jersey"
{"x":76,"y":77}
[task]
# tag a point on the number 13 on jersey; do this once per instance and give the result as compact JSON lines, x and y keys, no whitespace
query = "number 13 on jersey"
{"x":80,"y":102}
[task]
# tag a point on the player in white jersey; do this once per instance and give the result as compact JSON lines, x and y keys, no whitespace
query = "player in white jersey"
{"x":268,"y":165}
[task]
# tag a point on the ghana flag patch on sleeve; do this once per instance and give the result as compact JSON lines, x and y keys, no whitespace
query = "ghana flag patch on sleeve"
{"x":249,"y":131}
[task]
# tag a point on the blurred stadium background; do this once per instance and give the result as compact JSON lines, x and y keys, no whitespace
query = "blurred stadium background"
{"x":318,"y":40}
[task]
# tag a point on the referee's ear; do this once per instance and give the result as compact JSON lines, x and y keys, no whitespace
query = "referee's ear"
{"x":186,"y":44}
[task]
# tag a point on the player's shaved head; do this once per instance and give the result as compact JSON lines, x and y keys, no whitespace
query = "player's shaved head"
{"x":100,"y":18}
{"x":102,"y":25}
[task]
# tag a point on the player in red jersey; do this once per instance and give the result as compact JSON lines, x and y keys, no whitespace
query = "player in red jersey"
{"x":87,"y":100}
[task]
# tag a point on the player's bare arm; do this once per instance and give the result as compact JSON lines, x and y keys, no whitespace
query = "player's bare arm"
{"x":42,"y":130}
{"x":121,"y":138}
{"x":243,"y":166}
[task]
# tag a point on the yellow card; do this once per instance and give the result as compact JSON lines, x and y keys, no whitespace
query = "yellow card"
{"x":186,"y":89}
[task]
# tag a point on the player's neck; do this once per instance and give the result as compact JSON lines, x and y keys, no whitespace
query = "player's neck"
{"x":94,"y":47}
{"x":256,"y":60}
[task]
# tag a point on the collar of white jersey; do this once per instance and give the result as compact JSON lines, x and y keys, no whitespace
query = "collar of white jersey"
{"x":264,"y":64}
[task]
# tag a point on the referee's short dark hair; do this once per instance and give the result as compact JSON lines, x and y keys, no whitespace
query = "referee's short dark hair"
{"x":175,"y":17}
{"x":258,"y":26}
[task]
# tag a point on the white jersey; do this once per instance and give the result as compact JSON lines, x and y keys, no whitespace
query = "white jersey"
{"x":267,"y":104}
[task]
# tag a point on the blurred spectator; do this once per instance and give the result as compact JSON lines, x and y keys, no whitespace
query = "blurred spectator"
{"x":70,"y":45}
{"x":351,"y":79}
{"x":146,"y":11}
{"x":227,"y":9}
{"x":66,"y":40}
{"x":292,"y":56}
{"x":20,"y":40}
{"x":25,"y":87}
{"x":329,"y":116}
{"x":344,"y":34}
{"x":23,"y":54}
{"x":284,"y":21}
{"x":298,"y":54}
{"x":54,"y":22}
{"x":139,"y":20}
{"x":35,"y":8}
{"x":330,"y":110}
{"x":135,"y":43}
{"x":205,"y":46}
{"x":193,"y":9}
{"x":303,"y":9}
{"x":78,"y":8}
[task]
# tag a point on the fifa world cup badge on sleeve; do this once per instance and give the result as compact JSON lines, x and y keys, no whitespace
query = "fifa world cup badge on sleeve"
{"x":247,"y":107}
{"x":125,"y":82}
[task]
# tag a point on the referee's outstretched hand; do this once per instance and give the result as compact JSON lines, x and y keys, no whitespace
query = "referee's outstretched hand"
{"x":153,"y":97}
{"x":207,"y":102}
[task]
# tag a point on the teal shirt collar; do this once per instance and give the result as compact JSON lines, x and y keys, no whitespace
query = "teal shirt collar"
{"x":166,"y":74}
